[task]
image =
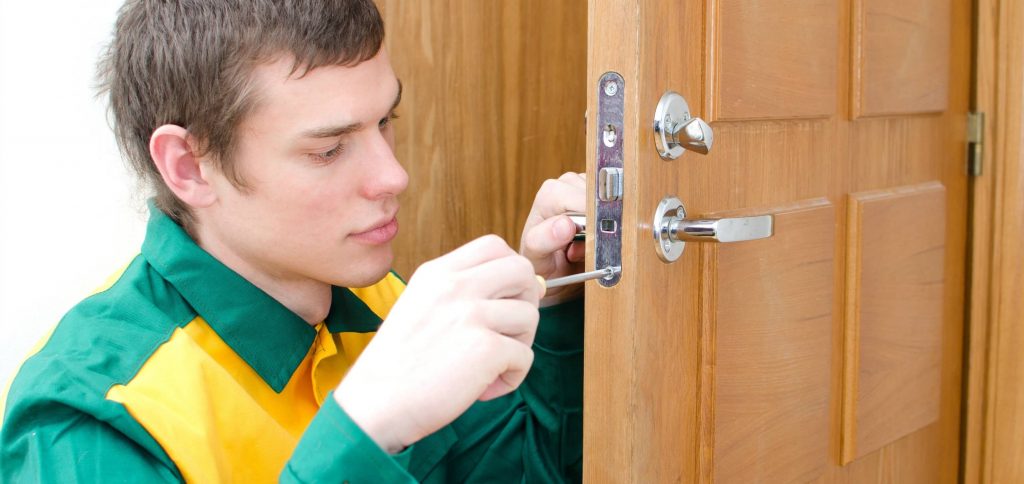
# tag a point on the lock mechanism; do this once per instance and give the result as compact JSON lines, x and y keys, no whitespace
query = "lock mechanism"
{"x":672,"y":230}
{"x":675,"y":130}
{"x":609,"y":190}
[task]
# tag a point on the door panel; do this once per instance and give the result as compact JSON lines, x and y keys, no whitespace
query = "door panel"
{"x":766,"y":349}
{"x":900,"y":56}
{"x":771,"y":60}
{"x":894,"y":283}
{"x":698,"y":369}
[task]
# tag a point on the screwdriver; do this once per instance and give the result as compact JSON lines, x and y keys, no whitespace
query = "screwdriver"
{"x":606,"y":273}
{"x":580,"y":220}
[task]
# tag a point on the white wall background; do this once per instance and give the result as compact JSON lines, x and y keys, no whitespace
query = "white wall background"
{"x":69,"y":214}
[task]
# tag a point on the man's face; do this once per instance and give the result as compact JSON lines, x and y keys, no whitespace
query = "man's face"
{"x":322,"y":181}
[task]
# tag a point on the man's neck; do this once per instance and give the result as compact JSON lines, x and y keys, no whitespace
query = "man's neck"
{"x":309,"y":299}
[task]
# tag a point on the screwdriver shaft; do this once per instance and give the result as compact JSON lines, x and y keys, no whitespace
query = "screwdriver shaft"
{"x":607,"y":272}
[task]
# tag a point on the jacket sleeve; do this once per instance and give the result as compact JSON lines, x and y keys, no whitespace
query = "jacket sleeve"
{"x":533,"y":434}
{"x":52,"y":442}
{"x":335,"y":449}
{"x":55,"y":443}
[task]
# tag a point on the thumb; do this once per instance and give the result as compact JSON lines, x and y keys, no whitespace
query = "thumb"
{"x":550,"y":236}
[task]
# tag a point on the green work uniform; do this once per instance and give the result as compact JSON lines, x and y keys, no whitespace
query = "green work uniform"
{"x":180,"y":369}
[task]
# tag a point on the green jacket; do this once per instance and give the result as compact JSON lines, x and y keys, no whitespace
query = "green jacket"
{"x":180,"y":369}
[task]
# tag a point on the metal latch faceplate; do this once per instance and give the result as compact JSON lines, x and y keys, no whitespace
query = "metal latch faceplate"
{"x":609,"y":186}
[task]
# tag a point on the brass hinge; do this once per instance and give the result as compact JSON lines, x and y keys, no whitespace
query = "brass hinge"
{"x":975,"y":142}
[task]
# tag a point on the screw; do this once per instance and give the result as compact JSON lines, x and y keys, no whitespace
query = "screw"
{"x":611,"y":88}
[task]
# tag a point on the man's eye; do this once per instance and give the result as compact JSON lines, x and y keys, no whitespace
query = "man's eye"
{"x":386,"y":121}
{"x":329,"y":155}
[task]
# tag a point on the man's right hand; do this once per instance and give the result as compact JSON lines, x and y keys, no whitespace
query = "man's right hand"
{"x":462,"y":331}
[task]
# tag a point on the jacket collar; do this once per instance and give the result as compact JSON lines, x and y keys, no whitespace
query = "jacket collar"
{"x":269,"y":337}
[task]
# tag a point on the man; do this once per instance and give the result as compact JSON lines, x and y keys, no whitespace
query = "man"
{"x":226,"y":351}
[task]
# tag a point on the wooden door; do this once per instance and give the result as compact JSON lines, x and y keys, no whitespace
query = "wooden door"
{"x":493,"y":104}
{"x":832,"y":350}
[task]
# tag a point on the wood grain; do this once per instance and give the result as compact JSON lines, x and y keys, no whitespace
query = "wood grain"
{"x":493,"y":104}
{"x":772,"y":59}
{"x":645,"y":418}
{"x":901,"y":56}
{"x":1007,"y":375}
{"x":895,"y":251}
{"x":610,"y":397}
{"x":495,"y":94}
{"x":995,"y":395}
{"x":768,"y":348}
{"x":899,"y":150}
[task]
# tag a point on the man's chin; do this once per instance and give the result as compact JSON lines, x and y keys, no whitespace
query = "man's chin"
{"x":369,"y":281}
{"x":363,"y":275}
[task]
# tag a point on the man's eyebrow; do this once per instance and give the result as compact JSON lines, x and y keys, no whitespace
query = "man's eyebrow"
{"x":332,"y":131}
{"x":336,"y":131}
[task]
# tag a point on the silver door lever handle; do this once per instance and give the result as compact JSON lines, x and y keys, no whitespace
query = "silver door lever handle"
{"x":672,"y":229}
{"x":721,"y":230}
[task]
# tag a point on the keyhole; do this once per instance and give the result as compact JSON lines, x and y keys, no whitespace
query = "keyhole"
{"x":609,"y":136}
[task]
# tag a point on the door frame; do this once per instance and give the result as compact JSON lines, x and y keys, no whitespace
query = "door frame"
{"x":993,"y":432}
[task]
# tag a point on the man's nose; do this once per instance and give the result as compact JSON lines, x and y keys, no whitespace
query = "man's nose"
{"x":385,"y":176}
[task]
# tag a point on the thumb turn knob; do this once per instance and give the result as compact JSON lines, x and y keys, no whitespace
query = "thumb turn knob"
{"x":675,"y":130}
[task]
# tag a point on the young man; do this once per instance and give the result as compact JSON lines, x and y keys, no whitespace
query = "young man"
{"x":226,"y":351}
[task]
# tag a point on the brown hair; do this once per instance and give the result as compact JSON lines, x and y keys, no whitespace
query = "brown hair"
{"x":189,"y":63}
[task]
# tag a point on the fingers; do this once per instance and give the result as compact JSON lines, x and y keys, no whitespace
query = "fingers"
{"x":508,"y":317}
{"x":575,"y":179}
{"x":548,"y":231}
{"x":475,"y":252}
{"x":519,"y":358}
{"x":548,"y":236}
{"x":511,"y":277}
{"x":566,"y":194}
{"x":577,"y":252}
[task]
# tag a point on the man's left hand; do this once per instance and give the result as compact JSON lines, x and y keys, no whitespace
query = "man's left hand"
{"x":547,"y":237}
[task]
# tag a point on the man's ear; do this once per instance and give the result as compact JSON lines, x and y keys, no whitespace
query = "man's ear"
{"x":173,"y":152}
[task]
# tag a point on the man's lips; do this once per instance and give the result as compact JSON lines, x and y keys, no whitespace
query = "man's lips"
{"x":379,"y":234}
